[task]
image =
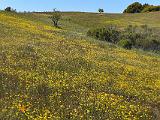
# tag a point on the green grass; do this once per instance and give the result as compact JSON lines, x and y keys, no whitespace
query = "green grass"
{"x":90,"y":20}
{"x":48,"y":73}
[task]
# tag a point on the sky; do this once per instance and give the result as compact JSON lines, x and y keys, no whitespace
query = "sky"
{"x":110,"y":6}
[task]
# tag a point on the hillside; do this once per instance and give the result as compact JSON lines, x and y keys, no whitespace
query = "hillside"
{"x":48,"y":73}
{"x":89,"y":20}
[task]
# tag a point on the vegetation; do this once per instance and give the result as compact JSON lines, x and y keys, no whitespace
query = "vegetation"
{"x":49,"y":73}
{"x":142,"y":37}
{"x":137,"y":7}
{"x":134,"y":8}
{"x":56,"y":16}
{"x":9,"y":9}
{"x":100,"y":10}
{"x":125,"y":43}
{"x":151,"y":9}
{"x":109,"y":33}
{"x":86,"y":21}
{"x":132,"y":36}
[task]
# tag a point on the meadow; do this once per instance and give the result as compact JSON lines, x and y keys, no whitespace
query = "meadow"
{"x":49,"y":73}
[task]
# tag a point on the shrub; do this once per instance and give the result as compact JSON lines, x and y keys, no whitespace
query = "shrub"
{"x":130,"y":34}
{"x":136,"y":7}
{"x":141,"y":37}
{"x":149,"y":43}
{"x":109,"y":33}
{"x":145,"y":5}
{"x":9,"y":9}
{"x":125,"y":44}
{"x":151,"y":9}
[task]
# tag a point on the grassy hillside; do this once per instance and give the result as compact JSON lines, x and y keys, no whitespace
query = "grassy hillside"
{"x":60,"y":74}
{"x":90,"y":20}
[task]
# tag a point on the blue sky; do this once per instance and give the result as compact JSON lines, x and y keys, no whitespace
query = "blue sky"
{"x":111,"y":6}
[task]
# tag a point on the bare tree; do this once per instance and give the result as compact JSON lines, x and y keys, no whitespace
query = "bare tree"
{"x":56,"y":16}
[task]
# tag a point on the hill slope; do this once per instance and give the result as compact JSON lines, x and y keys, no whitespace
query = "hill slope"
{"x":90,"y":20}
{"x":50,"y":73}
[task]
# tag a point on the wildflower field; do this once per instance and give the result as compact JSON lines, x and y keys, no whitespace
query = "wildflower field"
{"x":49,"y":73}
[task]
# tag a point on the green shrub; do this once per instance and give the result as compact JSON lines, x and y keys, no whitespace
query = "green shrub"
{"x":125,"y":44}
{"x":9,"y":9}
{"x":151,"y":9}
{"x":109,"y":34}
{"x":136,"y":7}
{"x":140,"y":37}
{"x":145,"y":5}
